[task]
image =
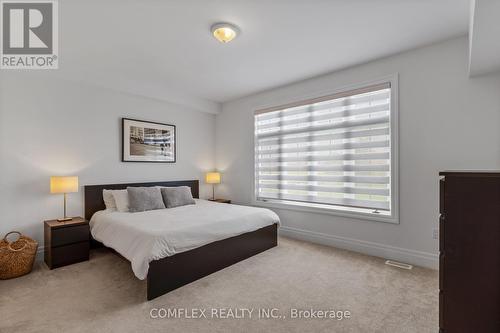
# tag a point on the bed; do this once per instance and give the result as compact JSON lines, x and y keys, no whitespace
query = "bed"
{"x":173,"y":247}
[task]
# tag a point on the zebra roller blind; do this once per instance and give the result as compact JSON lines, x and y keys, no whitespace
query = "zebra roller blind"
{"x":333,"y":151}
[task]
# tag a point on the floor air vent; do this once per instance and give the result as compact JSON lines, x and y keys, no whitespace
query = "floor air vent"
{"x":398,"y":264}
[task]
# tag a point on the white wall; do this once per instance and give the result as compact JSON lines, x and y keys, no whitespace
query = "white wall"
{"x":447,"y":121}
{"x":484,"y":44}
{"x":52,"y":127}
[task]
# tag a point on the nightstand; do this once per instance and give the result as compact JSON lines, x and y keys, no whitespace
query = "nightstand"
{"x":66,"y":242}
{"x":221,"y":200}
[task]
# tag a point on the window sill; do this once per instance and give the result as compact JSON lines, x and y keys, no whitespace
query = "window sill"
{"x":360,"y":214}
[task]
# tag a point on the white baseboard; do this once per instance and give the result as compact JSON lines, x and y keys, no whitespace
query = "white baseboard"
{"x":39,"y":254}
{"x":417,"y":258}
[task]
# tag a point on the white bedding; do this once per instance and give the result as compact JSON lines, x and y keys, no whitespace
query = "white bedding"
{"x":155,"y":234}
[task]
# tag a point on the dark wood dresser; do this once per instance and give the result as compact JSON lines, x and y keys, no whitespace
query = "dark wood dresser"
{"x":66,"y":242}
{"x":469,"y":245}
{"x":221,"y":200}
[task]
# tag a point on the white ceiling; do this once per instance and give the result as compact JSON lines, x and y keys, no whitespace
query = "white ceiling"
{"x":163,"y":48}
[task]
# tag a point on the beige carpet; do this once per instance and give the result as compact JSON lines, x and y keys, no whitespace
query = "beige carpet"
{"x":103,"y":295}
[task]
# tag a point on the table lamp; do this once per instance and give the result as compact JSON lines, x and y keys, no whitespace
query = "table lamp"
{"x":212,"y":178}
{"x":63,"y":185}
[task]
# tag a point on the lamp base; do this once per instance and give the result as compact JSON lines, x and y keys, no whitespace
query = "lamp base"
{"x":64,"y":219}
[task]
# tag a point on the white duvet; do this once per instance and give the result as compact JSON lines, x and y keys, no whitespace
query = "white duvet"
{"x":151,"y":235}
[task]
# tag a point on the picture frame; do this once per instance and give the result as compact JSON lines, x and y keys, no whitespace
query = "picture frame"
{"x":149,"y":142}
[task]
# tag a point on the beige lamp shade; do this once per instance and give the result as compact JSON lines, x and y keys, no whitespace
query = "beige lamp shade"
{"x":63,"y":184}
{"x":212,"y":178}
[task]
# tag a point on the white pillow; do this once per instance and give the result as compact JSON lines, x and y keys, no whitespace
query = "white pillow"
{"x":121,"y":200}
{"x":109,"y":200}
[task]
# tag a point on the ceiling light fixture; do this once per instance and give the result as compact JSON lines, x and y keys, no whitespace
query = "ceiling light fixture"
{"x":224,"y":32}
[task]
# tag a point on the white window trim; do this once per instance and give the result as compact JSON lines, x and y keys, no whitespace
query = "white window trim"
{"x":332,"y":210}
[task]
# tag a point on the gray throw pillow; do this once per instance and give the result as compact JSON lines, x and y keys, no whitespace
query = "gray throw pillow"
{"x":144,"y":198}
{"x":177,"y":196}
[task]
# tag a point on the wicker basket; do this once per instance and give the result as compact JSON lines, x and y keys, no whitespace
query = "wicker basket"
{"x":16,"y":258}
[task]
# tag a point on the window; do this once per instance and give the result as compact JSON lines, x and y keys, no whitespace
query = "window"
{"x":335,"y":152}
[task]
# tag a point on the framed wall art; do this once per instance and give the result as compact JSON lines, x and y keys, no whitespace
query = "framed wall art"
{"x":146,"y":141}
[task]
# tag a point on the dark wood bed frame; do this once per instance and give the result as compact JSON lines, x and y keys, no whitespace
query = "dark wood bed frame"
{"x":170,"y":273}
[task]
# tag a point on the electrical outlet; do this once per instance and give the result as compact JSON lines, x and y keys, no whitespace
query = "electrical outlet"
{"x":435,"y":233}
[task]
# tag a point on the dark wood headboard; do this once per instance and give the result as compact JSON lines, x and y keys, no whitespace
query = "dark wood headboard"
{"x":93,"y":193}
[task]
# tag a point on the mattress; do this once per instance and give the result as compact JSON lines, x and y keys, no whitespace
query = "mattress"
{"x":146,"y":236}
